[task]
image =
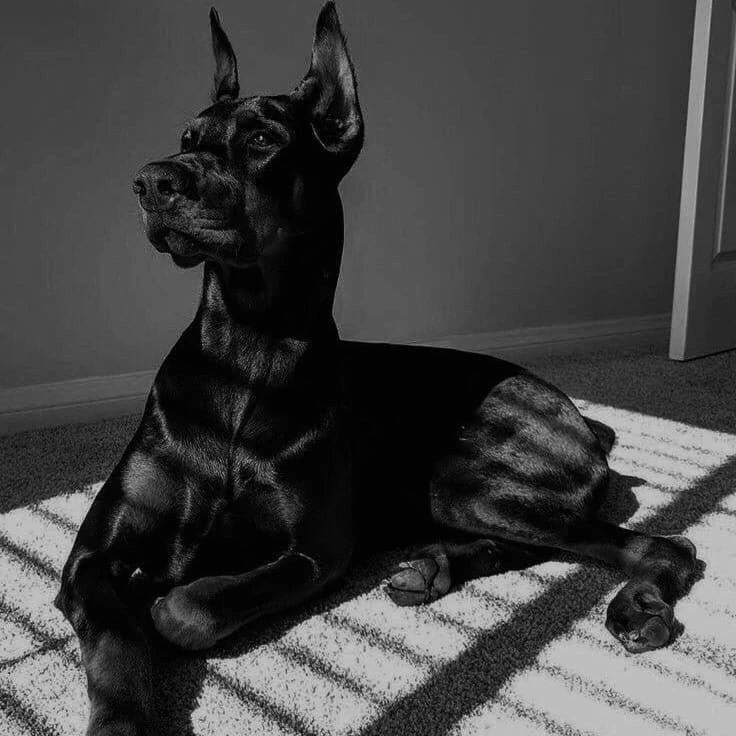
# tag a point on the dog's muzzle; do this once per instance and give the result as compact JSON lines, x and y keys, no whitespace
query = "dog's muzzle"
{"x":161,"y":184}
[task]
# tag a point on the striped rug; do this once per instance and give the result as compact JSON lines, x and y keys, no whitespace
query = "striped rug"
{"x":519,"y":653}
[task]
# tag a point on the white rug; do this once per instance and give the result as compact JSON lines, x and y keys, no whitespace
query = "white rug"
{"x":520,"y":653}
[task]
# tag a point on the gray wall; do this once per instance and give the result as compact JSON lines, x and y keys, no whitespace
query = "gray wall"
{"x":521,"y":168}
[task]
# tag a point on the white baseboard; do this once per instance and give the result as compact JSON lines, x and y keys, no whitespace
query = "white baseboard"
{"x":533,"y":342}
{"x":77,"y":400}
{"x":102,"y":397}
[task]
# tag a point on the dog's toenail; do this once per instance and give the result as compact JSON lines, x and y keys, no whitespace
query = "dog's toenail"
{"x":409,"y":579}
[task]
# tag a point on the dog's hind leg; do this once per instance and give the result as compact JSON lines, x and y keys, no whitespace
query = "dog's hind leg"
{"x":660,"y":569}
{"x":526,"y":467}
{"x":641,"y":616}
{"x":431,"y":571}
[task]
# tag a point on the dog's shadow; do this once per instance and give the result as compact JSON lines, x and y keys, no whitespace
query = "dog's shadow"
{"x":181,"y":679}
{"x":620,"y":502}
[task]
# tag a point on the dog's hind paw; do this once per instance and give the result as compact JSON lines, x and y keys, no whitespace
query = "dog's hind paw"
{"x":640,"y":618}
{"x":420,"y":581}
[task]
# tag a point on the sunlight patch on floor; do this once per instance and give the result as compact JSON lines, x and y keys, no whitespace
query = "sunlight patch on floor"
{"x":338,"y":671}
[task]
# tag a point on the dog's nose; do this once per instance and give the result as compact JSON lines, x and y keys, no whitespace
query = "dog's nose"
{"x":159,"y":184}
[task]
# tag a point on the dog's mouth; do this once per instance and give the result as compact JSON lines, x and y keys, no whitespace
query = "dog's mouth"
{"x":184,"y":250}
{"x":190,"y":243}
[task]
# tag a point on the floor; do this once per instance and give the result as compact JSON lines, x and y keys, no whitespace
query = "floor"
{"x":520,"y":653}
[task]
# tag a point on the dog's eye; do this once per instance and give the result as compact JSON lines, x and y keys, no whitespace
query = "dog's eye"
{"x":261,"y":140}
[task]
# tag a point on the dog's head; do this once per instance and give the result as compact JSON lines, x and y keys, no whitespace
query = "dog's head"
{"x":255,"y":173}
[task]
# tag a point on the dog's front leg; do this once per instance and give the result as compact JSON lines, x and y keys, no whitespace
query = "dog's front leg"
{"x":197,"y":615}
{"x":114,"y":648}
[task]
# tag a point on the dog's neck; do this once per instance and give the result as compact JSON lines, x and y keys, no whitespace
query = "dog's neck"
{"x":265,"y":303}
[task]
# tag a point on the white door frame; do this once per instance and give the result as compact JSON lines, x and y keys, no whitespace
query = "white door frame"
{"x":704,"y":301}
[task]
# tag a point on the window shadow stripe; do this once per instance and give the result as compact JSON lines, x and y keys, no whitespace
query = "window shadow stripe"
{"x":657,"y":667}
{"x":378,"y":638}
{"x":42,"y":567}
{"x":616,"y":699}
{"x":24,"y":714}
{"x":48,"y":641}
{"x":303,"y":656}
{"x":284,"y":718}
{"x":541,"y":718}
{"x":55,"y":518}
{"x":668,"y":457}
{"x":478,"y":673}
{"x":50,"y":646}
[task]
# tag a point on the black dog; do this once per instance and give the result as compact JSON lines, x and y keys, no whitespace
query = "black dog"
{"x":269,"y":449}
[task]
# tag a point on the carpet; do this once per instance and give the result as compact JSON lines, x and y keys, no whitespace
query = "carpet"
{"x":522,"y":653}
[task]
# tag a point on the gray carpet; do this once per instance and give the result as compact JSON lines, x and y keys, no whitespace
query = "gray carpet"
{"x":518,"y":653}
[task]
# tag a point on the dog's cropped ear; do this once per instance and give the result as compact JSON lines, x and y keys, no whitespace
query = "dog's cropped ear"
{"x":331,"y":93}
{"x":226,"y":66}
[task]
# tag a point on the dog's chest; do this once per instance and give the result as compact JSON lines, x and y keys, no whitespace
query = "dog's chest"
{"x":222,"y":434}
{"x":216,"y":486}
{"x":241,"y":439}
{"x":233,"y":436}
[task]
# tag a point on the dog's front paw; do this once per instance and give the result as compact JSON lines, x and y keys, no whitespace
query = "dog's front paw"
{"x":420,"y":581}
{"x":639,"y":618}
{"x":104,"y":722}
{"x":184,"y":621}
{"x":118,"y":728}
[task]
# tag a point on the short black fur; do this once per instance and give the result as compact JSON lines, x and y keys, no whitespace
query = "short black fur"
{"x":270,"y":451}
